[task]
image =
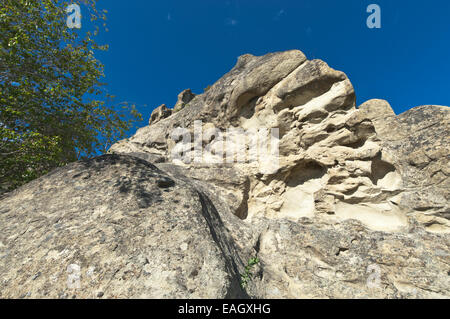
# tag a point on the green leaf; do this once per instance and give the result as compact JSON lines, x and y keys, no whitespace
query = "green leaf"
{"x":59,"y":110}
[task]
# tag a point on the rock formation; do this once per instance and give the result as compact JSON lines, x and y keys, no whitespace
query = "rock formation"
{"x":183,"y":99}
{"x":357,"y":205}
{"x":160,"y":113}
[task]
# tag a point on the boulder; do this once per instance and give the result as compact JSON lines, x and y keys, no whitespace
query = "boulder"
{"x":114,"y":227}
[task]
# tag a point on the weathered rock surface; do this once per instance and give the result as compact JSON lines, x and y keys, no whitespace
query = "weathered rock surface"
{"x":183,"y":99}
{"x":347,"y":260}
{"x":356,"y":207}
{"x":419,"y":141}
{"x":118,"y":227}
{"x":160,"y":113}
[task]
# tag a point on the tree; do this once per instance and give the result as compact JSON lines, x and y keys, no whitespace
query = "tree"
{"x":54,"y":109}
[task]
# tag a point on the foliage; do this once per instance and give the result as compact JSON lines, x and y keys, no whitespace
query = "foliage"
{"x":53,"y":107}
{"x":247,"y":275}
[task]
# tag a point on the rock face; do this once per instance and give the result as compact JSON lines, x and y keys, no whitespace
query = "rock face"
{"x":160,"y":113}
{"x":355,"y":204}
{"x":183,"y":99}
{"x":115,"y":226}
{"x":419,"y":140}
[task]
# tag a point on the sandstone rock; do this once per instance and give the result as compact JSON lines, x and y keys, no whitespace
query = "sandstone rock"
{"x":338,"y":164}
{"x":310,"y":260}
{"x":418,"y":140}
{"x":355,"y":205}
{"x":329,"y":151}
{"x":160,"y":113}
{"x":183,"y":99}
{"x":117,"y":225}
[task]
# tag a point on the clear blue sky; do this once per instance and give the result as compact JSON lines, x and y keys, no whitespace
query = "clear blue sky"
{"x":158,"y":48}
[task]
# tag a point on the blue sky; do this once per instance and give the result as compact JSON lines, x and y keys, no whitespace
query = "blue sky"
{"x":159,"y":48}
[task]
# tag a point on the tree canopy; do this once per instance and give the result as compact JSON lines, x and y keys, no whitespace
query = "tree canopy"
{"x":54,"y":109}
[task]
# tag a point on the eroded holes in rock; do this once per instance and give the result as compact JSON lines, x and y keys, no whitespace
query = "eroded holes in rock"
{"x":164,"y":182}
{"x":365,"y":129}
{"x":304,"y":172}
{"x":357,"y":144}
{"x":77,"y":175}
{"x":380,"y":170}
{"x":341,"y":250}
{"x":301,"y":184}
{"x":248,"y":110}
{"x":331,"y":129}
